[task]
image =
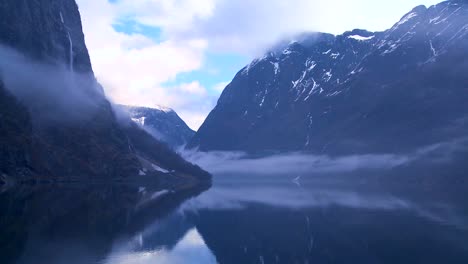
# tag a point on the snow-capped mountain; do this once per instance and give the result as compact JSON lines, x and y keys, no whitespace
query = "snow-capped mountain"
{"x":55,"y":122}
{"x":357,"y":92}
{"x":163,"y":123}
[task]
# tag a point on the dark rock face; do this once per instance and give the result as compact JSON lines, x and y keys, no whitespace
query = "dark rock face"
{"x":45,"y":30}
{"x":162,"y":123}
{"x":354,"y":93}
{"x":15,"y":135}
{"x":49,"y":32}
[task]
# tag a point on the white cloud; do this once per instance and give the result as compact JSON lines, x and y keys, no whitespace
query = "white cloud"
{"x":134,"y":68}
{"x":193,"y":88}
{"x":249,"y":27}
{"x":173,"y":14}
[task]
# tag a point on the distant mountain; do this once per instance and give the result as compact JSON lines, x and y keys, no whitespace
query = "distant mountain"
{"x":55,"y":122}
{"x":163,"y":123}
{"x":358,"y":92}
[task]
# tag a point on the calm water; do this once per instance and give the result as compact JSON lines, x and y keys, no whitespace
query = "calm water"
{"x":242,"y":219}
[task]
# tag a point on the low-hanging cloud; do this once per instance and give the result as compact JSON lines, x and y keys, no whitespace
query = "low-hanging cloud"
{"x":50,"y":92}
{"x":228,"y":162}
{"x":286,"y":163}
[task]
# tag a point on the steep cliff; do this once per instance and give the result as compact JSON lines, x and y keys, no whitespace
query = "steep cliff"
{"x":55,"y":120}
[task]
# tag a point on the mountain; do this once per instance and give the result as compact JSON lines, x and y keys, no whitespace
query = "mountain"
{"x":359,"y":92}
{"x":163,"y":123}
{"x":55,"y":121}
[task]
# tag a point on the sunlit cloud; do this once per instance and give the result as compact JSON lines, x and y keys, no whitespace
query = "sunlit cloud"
{"x":139,"y":48}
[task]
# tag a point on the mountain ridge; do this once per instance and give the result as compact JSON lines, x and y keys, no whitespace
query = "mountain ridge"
{"x":320,"y":97}
{"x":161,"y":122}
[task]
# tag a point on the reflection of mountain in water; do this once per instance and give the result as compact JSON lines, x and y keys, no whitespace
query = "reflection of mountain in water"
{"x":75,"y":225}
{"x":328,"y":218}
{"x":172,"y":240}
{"x":332,"y":220}
{"x":320,"y":235}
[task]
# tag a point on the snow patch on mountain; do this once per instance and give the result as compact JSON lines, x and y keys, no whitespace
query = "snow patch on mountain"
{"x":315,"y":86}
{"x":276,"y":67}
{"x":335,"y":55}
{"x":140,"y":121}
{"x":162,"y":108}
{"x":407,"y":18}
{"x":360,"y":38}
{"x":327,"y":76}
{"x":434,"y":53}
{"x":157,"y":168}
{"x":295,"y":83}
{"x":310,"y":64}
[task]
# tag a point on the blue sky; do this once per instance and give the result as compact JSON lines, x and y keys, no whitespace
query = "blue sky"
{"x":182,"y":53}
{"x":217,"y":68}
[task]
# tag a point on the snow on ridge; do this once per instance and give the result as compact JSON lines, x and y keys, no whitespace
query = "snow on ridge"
{"x":159,"y":194}
{"x":252,"y":64}
{"x":312,"y":66}
{"x":438,"y":19}
{"x":435,"y":19}
{"x":157,"y":168}
{"x":406,"y":18}
{"x":295,"y":83}
{"x":163,"y":108}
{"x":312,"y":90}
{"x":391,"y":49}
{"x":360,"y":38}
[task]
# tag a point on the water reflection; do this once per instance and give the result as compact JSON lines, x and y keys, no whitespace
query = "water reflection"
{"x":242,"y":219}
{"x":317,"y":193}
{"x":280,"y":222}
{"x":190,"y":249}
{"x":76,"y":224}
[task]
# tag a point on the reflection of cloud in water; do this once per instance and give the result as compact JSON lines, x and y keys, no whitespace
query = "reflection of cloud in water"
{"x":287,"y":195}
{"x":296,"y":198}
{"x":190,"y":249}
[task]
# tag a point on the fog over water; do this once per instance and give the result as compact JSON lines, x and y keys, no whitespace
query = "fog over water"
{"x":297,"y":162}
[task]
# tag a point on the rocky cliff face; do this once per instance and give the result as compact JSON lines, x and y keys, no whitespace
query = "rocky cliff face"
{"x":357,"y":92}
{"x":58,"y":123}
{"x":46,"y":30}
{"x":163,"y":123}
